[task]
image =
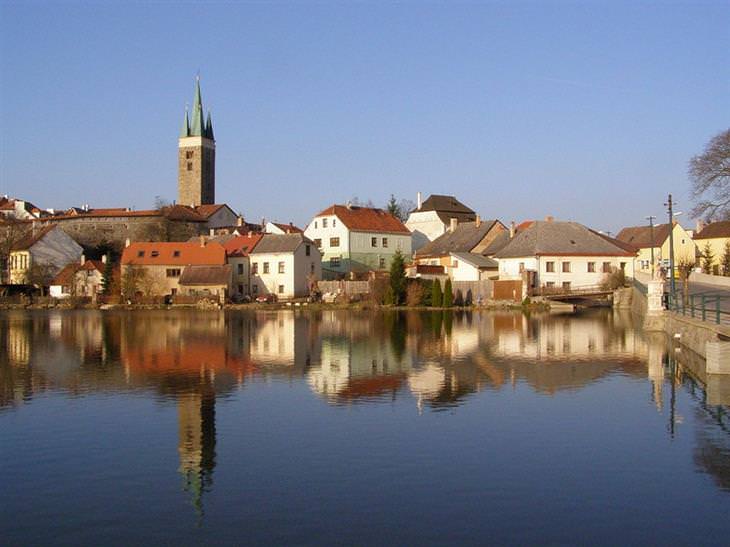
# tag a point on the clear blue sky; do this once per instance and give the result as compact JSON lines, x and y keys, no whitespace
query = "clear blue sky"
{"x":587,"y":111}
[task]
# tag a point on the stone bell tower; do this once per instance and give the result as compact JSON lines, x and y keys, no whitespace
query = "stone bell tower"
{"x":196,"y":156}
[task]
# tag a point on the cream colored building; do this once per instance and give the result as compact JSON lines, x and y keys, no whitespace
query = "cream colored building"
{"x":49,"y":249}
{"x":647,"y":239}
{"x":284,"y":265}
{"x":716,"y":236}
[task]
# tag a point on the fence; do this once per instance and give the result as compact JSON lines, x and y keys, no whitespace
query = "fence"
{"x":344,"y":287}
{"x":707,"y":307}
{"x":473,"y":291}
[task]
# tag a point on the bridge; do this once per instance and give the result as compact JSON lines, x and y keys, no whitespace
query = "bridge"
{"x":590,"y":295}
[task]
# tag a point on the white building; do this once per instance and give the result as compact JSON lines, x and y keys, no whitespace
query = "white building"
{"x":357,"y":239}
{"x":563,"y":255}
{"x":432,"y":218}
{"x":284,"y":265}
{"x":280,"y":228}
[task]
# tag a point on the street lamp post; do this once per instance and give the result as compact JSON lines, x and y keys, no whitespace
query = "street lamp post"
{"x":651,"y":228}
{"x":670,"y":205}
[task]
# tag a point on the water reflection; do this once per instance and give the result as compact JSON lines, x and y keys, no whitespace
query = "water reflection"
{"x":434,"y":361}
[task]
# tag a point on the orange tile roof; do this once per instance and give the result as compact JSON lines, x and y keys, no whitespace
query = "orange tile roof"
{"x":288,"y":228}
{"x":241,"y":245}
{"x":365,"y":219}
{"x":175,"y":212}
{"x":207,"y":210}
{"x":65,"y":276}
{"x":173,"y":254}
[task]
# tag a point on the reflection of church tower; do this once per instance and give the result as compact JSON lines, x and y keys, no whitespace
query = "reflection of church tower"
{"x":196,"y":443}
{"x":196,"y":156}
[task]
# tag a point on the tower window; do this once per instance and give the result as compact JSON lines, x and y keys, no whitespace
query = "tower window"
{"x":189,"y":154}
{"x":190,"y":166}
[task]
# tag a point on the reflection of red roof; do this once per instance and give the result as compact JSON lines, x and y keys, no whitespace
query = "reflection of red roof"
{"x":365,"y":219}
{"x":371,"y":386}
{"x":185,"y":358}
{"x":241,"y":245}
{"x":177,"y":253}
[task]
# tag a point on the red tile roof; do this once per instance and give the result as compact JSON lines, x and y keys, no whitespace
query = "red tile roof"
{"x":208,"y":210}
{"x":713,"y":230}
{"x":241,"y":245}
{"x":65,"y":276}
{"x":175,"y":212}
{"x":173,"y":254}
{"x":288,"y":228}
{"x":365,"y":219}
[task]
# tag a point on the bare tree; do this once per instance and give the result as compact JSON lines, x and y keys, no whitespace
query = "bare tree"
{"x":11,"y":231}
{"x":400,"y":209}
{"x":710,"y":175}
{"x":41,"y":275}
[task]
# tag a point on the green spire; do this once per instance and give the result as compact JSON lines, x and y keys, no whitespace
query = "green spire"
{"x":185,"y":131}
{"x":209,"y":128}
{"x":197,"y":128}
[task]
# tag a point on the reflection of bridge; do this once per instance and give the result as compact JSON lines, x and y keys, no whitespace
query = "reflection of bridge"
{"x":575,"y":295}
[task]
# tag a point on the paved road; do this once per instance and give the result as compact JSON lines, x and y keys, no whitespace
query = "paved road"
{"x":699,"y":289}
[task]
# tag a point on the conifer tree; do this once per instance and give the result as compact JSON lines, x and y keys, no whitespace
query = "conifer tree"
{"x":725,"y":260}
{"x":708,"y":257}
{"x":436,"y":294}
{"x":107,"y":274}
{"x":398,"y":278}
{"x":448,"y":294}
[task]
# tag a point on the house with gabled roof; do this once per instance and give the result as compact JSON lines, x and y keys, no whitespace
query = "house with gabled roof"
{"x":656,"y":238}
{"x":465,"y":250}
{"x":356,"y":239}
{"x":83,"y":278}
{"x":238,"y":250}
{"x":562,"y":255}
{"x":41,"y":254}
{"x":155,"y":268}
{"x":280,"y":228}
{"x":286,"y":265}
{"x":433,"y":218}
{"x":715,"y":237}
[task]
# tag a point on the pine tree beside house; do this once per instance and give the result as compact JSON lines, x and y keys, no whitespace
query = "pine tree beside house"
{"x":436,"y":294}
{"x":448,"y":294}
{"x":708,"y":257}
{"x":398,"y":278}
{"x":725,"y":260}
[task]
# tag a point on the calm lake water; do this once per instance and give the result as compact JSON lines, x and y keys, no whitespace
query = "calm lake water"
{"x":356,"y":428}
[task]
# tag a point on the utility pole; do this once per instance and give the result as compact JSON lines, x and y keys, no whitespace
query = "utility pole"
{"x":670,"y":210}
{"x":651,"y":218}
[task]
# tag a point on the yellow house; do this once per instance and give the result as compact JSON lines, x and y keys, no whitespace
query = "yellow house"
{"x":646,"y":239}
{"x":717,"y":236}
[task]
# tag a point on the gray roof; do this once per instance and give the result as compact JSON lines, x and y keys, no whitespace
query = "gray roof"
{"x":463,"y":239}
{"x":206,"y":275}
{"x":444,"y":204}
{"x":280,"y":243}
{"x":561,"y":239}
{"x":477,"y":260}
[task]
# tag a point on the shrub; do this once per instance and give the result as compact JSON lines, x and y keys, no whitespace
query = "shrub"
{"x":414,"y":294}
{"x":436,"y":299}
{"x":398,"y":279}
{"x":614,"y":280}
{"x":448,"y":300}
{"x":389,"y":298}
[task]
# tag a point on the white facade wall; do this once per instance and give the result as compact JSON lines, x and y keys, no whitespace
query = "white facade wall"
{"x":334,"y":229}
{"x":293,"y":282}
{"x":578,"y":276}
{"x":425,"y":226}
{"x":463,"y":271}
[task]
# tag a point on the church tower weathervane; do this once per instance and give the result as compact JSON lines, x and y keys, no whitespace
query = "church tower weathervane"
{"x":196,"y":156}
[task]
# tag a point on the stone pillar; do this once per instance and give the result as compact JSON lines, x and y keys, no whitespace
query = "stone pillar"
{"x":717,"y":357}
{"x":654,"y":294}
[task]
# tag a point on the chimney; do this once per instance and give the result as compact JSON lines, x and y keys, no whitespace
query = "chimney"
{"x":349,"y":204}
{"x":104,"y":259}
{"x":512,"y":229}
{"x":127,"y":243}
{"x":549,"y":218}
{"x":212,"y":232}
{"x":453,"y":224}
{"x":202,"y":241}
{"x":478,"y":221}
{"x":700,"y":226}
{"x":83,"y":259}
{"x":418,"y":201}
{"x":250,"y":233}
{"x":239,"y":221}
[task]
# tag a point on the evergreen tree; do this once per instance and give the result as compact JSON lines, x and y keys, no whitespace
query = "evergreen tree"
{"x":393,"y":207}
{"x":708,"y":257}
{"x":106,"y":279}
{"x":448,"y":294}
{"x":388,"y":299}
{"x":398,"y":278}
{"x":436,"y":294}
{"x":725,"y":260}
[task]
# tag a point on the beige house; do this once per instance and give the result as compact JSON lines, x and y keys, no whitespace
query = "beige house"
{"x":206,"y":281}
{"x":716,"y":237}
{"x":84,"y":279}
{"x":38,"y":256}
{"x":153,"y":269}
{"x":646,"y":238}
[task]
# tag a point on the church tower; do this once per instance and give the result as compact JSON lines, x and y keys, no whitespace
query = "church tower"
{"x":196,"y":156}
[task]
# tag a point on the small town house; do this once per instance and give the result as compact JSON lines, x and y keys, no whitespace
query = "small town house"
{"x":38,"y":256}
{"x":284,"y":265}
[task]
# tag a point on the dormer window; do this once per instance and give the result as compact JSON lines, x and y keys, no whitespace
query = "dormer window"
{"x":176,"y":254}
{"x":155,"y":253}
{"x":140,"y":254}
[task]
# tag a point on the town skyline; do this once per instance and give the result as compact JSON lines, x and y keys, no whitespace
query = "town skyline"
{"x":596,"y":127}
